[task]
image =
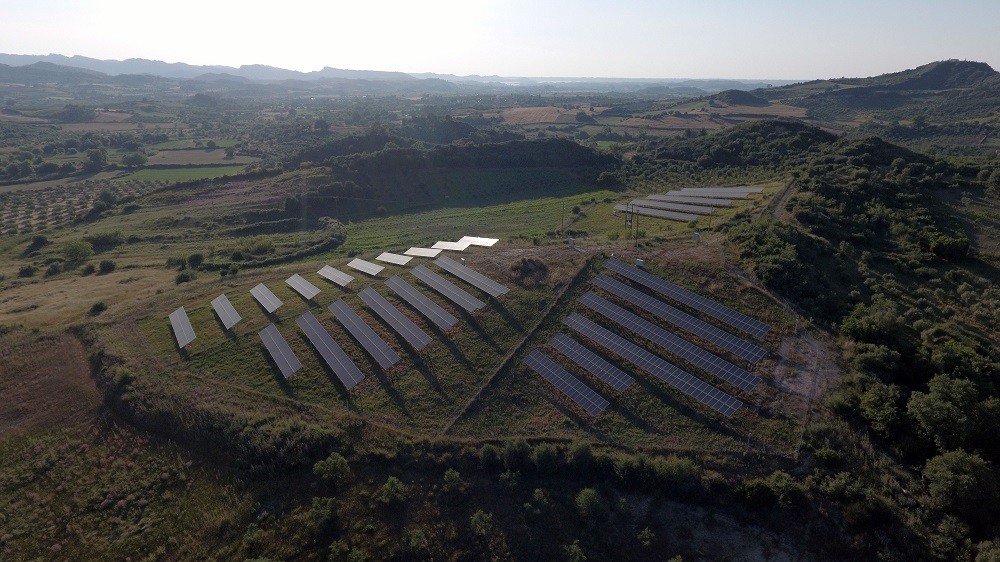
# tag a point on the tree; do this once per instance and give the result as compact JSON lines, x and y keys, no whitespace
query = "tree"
{"x":588,"y":503}
{"x":334,"y":469}
{"x":230,"y":152}
{"x":134,"y":159}
{"x":393,"y":491}
{"x":453,"y":481}
{"x":943,"y":413}
{"x":958,"y":480}
{"x":76,"y":251}
{"x":574,"y":552}
{"x":195,"y":260}
{"x":97,"y":159}
{"x":880,"y":406}
{"x":481,"y":523}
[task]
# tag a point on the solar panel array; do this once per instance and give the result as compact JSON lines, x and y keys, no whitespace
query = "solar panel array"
{"x":455,"y":246}
{"x":592,"y":402}
{"x":592,"y":362}
{"x":224,"y":309}
{"x":691,"y":199}
{"x":365,"y":266}
{"x":672,"y":206}
{"x":687,"y":383}
{"x":336,"y":275}
{"x":302,"y":287}
{"x":396,"y":259}
{"x":282,"y":355}
{"x":363,"y":333}
{"x":678,"y":346}
{"x":715,"y":194}
{"x":478,"y":241}
{"x":471,"y":277}
{"x":422,"y":252}
{"x":448,"y":289}
{"x":736,"y":189}
{"x":266,"y":298}
{"x":738,"y":346}
{"x":333,"y":354}
{"x":399,"y":322}
{"x":182,"y":327}
{"x":660,"y":214}
{"x":735,"y":319}
{"x":430,"y":309}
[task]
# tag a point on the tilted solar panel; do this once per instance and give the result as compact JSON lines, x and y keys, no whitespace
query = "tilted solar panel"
{"x":422,"y":252}
{"x":266,"y":298}
{"x":396,"y":259}
{"x":592,"y":402}
{"x":365,"y":266}
{"x":302,"y":287}
{"x":430,"y":309}
{"x":471,"y":277}
{"x":672,"y":206}
{"x":658,"y":213}
{"x":224,"y":309}
{"x":447,"y":289}
{"x":592,"y":362}
{"x":336,"y":275}
{"x":363,"y":333}
{"x":691,"y":199}
{"x":181,"y":325}
{"x":399,"y":322}
{"x":332,"y":354}
{"x":278,"y":348}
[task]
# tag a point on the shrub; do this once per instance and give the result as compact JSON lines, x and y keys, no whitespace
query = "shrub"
{"x":88,"y":269}
{"x":481,"y":523}
{"x":195,"y":260}
{"x":334,"y":469}
{"x":581,"y":458}
{"x":76,"y":251}
{"x":54,"y":269}
{"x":588,"y":503}
{"x":98,"y":308}
{"x":27,"y":271}
{"x":393,"y":491}
{"x":184,"y":277}
{"x":516,"y":454}
{"x":489,"y":456}
{"x":453,"y":481}
{"x":106,"y":266}
{"x":545,"y":458}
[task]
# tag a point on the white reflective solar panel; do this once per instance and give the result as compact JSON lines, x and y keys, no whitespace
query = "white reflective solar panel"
{"x":696,"y":355}
{"x":676,"y":377}
{"x":302,"y":287}
{"x":430,"y":309}
{"x":691,"y":199}
{"x":393,"y":317}
{"x":716,"y":194}
{"x":477,"y":241}
{"x":282,"y":355}
{"x":333,"y":354}
{"x":448,"y":289}
{"x":455,"y":246}
{"x":336,"y":275}
{"x":182,"y":327}
{"x":735,"y":319}
{"x":363,"y":333}
{"x":392,"y":258}
{"x":671,"y":206}
{"x":471,"y":277}
{"x":422,"y":252}
{"x":266,"y":298}
{"x":365,"y":266}
{"x":592,"y":402}
{"x":735,"y":189}
{"x":691,"y":324}
{"x":658,"y":213}
{"x":224,"y":309}
{"x":592,"y":362}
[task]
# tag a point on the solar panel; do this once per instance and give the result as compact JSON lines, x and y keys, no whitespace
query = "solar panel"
{"x":680,"y":347}
{"x":738,"y":188}
{"x":658,"y":213}
{"x":691,"y":324}
{"x":669,"y":206}
{"x":471,"y":277}
{"x":282,"y":355}
{"x":333,"y":354}
{"x":266,"y":298}
{"x":182,"y":327}
{"x":335,"y":275}
{"x":430,"y":309}
{"x":592,"y":362}
{"x":224,"y":309}
{"x":715,"y":194}
{"x":456,"y":246}
{"x":365,"y":266}
{"x":393,"y":317}
{"x":362,"y":332}
{"x":448,"y":289}
{"x":477,"y":241}
{"x":676,"y":377}
{"x":302,"y":287}
{"x":392,"y":258}
{"x":422,"y":252}
{"x":691,"y":199}
{"x":735,"y":319}
{"x":592,"y":402}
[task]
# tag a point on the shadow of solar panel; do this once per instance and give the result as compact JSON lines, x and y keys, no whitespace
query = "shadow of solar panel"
{"x":735,"y":319}
{"x":738,"y":346}
{"x":224,"y":309}
{"x":471,"y":276}
{"x":447,"y":289}
{"x":658,"y":213}
{"x":680,"y":347}
{"x":302,"y":287}
{"x":266,"y":298}
{"x":430,"y":309}
{"x":676,"y":377}
{"x":333,"y":354}
{"x":181,"y":325}
{"x":282,"y":355}
{"x":592,"y":362}
{"x":373,"y":344}
{"x":403,"y":326}
{"x":592,"y":402}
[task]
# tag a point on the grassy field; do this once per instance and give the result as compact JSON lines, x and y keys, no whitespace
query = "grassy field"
{"x":198,"y":156}
{"x":184,"y":174}
{"x":188,"y":144}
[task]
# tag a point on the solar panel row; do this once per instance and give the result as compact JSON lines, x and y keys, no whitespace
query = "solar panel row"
{"x":691,"y":199}
{"x":396,"y":259}
{"x":447,"y":289}
{"x":715,"y":194}
{"x":660,"y":214}
{"x":672,"y":206}
{"x":669,"y":373}
{"x":282,"y":355}
{"x":678,"y":346}
{"x":224,"y":309}
{"x":336,"y":275}
{"x":422,"y":252}
{"x":430,"y":309}
{"x":592,"y":402}
{"x":735,"y":189}
{"x":365,"y":266}
{"x":592,"y":362}
{"x":471,"y":277}
{"x":691,"y":324}
{"x":454,"y":246}
{"x":182,"y":327}
{"x":302,"y":287}
{"x":266,"y":298}
{"x":333,"y":354}
{"x":363,"y":333}
{"x":735,"y":319}
{"x":399,"y":322}
{"x":478,"y":241}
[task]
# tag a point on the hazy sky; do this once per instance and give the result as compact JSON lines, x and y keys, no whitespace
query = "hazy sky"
{"x":790,"y":39}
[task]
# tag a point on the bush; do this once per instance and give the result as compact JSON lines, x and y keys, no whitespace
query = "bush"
{"x":184,"y":277}
{"x":393,"y":491}
{"x":453,"y":481}
{"x":27,"y":271}
{"x":516,"y":454}
{"x":545,"y":458}
{"x":195,"y":260}
{"x":334,"y":469}
{"x":88,"y":269}
{"x":54,"y":269}
{"x":76,"y":251}
{"x":581,"y":458}
{"x":588,"y":503}
{"x":481,"y":523}
{"x":106,"y":266}
{"x":98,"y":308}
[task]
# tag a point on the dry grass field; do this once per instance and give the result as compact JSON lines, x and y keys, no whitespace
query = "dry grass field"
{"x":197,"y":157}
